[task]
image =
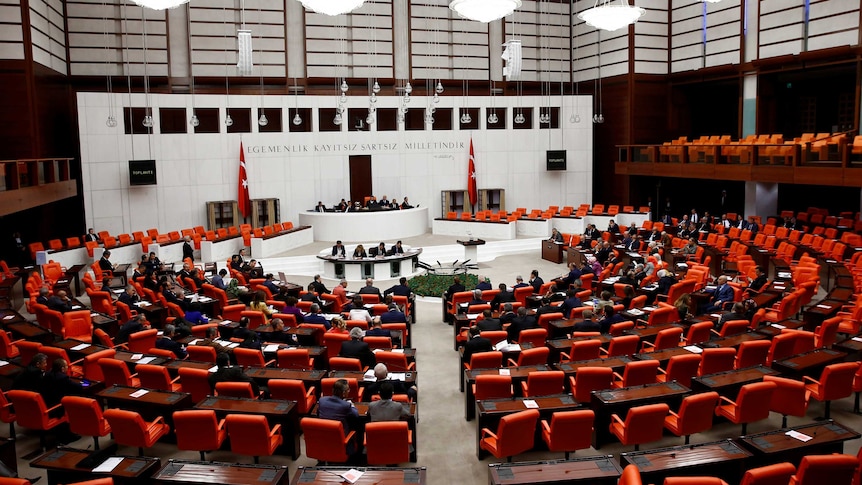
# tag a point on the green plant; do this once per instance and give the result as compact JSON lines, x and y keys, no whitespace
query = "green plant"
{"x":435,"y":285}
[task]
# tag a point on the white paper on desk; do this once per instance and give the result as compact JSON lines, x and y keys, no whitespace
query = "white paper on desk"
{"x":143,"y":303}
{"x":825,"y":307}
{"x":636,"y":312}
{"x":778,"y":326}
{"x":513,"y":348}
{"x":369,"y":376}
{"x":8,"y":317}
{"x":139,"y":393}
{"x":3,"y":362}
{"x":784,"y":274}
{"x":351,"y":475}
{"x":80,"y":347}
{"x":711,"y":287}
{"x":213,"y":368}
{"x":225,"y":322}
{"x":472,"y":316}
{"x":119,"y":290}
{"x":649,"y":308}
{"x":397,"y":376}
{"x":799,"y":436}
{"x":505,"y":372}
{"x":76,"y":307}
{"x":499,"y":346}
{"x":193,"y":342}
{"x":715,"y":315}
{"x":858,"y":339}
{"x":694,"y":349}
{"x":233,"y":345}
{"x":108,"y":465}
{"x":397,"y":351}
{"x":93,"y":314}
{"x":137,"y":356}
{"x":530,"y":404}
{"x":146,"y":360}
{"x":271,"y":348}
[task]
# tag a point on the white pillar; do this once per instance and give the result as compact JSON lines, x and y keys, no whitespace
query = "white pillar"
{"x":761,"y":199}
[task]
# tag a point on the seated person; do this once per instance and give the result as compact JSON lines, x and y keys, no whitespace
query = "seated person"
{"x":379,"y":251}
{"x":355,"y":348}
{"x":193,"y":314}
{"x":229,"y":373}
{"x":290,"y":308}
{"x":338,"y":408}
{"x":338,"y":249}
{"x":393,"y":315}
{"x":519,"y":282}
{"x":386,"y":409}
{"x":737,"y":312}
{"x":56,"y":383}
{"x":401,"y":289}
{"x":477,"y":298}
{"x":136,"y":324}
{"x":756,"y":285}
{"x":571,"y":302}
{"x":665,"y":281}
{"x":611,"y":317}
{"x":316,"y":316}
{"x":167,"y":342}
{"x":258,"y":303}
{"x":195,"y":275}
{"x":396,"y":249}
{"x":520,"y":323}
{"x":502,"y":297}
{"x":358,"y":312}
{"x":30,"y":379}
{"x":377,"y":329}
{"x":218,"y":279}
{"x":722,"y":294}
{"x":359,"y":252}
{"x":536,"y":281}
{"x":484,"y":283}
{"x":588,"y":324}
{"x":337,"y":325}
{"x":370,"y":289}
{"x":406,"y":204}
{"x":60,"y":302}
{"x":455,"y":287}
{"x":270,"y":285}
{"x":506,"y":314}
{"x":488,"y":323}
{"x":242,"y":332}
{"x":556,"y":236}
{"x":310,"y":295}
{"x":382,"y":375}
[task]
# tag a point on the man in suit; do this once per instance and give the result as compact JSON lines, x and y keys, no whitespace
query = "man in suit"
{"x":188,"y":250}
{"x":167,"y":342}
{"x":611,"y":317}
{"x":105,"y":262}
{"x":218,"y":279}
{"x":519,"y":282}
{"x":455,"y":287}
{"x":91,"y":236}
{"x":229,"y":373}
{"x":381,"y":372}
{"x":60,"y":302}
{"x":401,"y":289}
{"x":338,"y":249}
{"x":604,"y":252}
{"x":503,"y":296}
{"x":406,"y":204}
{"x":315,"y":316}
{"x":484,"y":284}
{"x":475,"y":344}
{"x":737,"y":312}
{"x":569,"y":279}
{"x":477,"y":298}
{"x":757,"y":284}
{"x":572,"y":301}
{"x":507,"y":315}
{"x":397,"y":248}
{"x":379,"y":251}
{"x":370,"y":289}
{"x":129,"y":296}
{"x":355,"y":348}
{"x":377,"y":329}
{"x":138,"y":323}
{"x":43,"y":297}
{"x":320,"y":207}
{"x":56,"y":383}
{"x":723,"y":293}
{"x":393,"y":315}
{"x":318,"y":286}
{"x":520,"y":323}
{"x":613,"y":228}
{"x":536,"y":281}
{"x":556,"y":236}
{"x":31,"y":378}
{"x":588,"y":324}
{"x":386,"y":409}
{"x":338,"y":408}
{"x":488,"y":323}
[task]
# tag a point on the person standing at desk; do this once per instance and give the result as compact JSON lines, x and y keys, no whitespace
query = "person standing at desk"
{"x":556,"y":236}
{"x":188,"y":250}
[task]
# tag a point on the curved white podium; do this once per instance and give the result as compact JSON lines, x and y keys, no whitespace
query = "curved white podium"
{"x":366,"y":226}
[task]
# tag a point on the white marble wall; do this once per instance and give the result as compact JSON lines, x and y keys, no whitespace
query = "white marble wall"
{"x":303,"y":168}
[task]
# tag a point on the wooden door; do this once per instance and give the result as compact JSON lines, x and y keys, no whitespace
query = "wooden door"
{"x":360,"y":178}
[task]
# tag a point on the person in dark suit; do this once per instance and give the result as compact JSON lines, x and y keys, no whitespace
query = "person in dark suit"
{"x":56,"y":384}
{"x":42,"y":299}
{"x":611,"y":317}
{"x":105,"y":262}
{"x":385,"y":409}
{"x":342,"y":206}
{"x":370,"y":289}
{"x":556,"y":236}
{"x":737,"y":312}
{"x":588,"y":324}
{"x":397,"y":248}
{"x":571,"y":301}
{"x":521,"y":322}
{"x":355,"y":348}
{"x":379,"y":251}
{"x":338,"y":408}
{"x":31,"y":378}
{"x":519,"y":282}
{"x":319,"y":287}
{"x":167,"y":342}
{"x":315,"y":316}
{"x":756,"y":285}
{"x":665,"y":281}
{"x":188,"y":250}
{"x":138,"y":323}
{"x":455,"y":287}
{"x":488,"y":323}
{"x":401,"y":289}
{"x":129,"y":296}
{"x":338,"y":250}
{"x":405,"y":204}
{"x":503,"y":296}
{"x":569,"y":279}
{"x":613,"y":228}
{"x":722,"y":294}
{"x":60,"y":302}
{"x":507,"y":315}
{"x":536,"y":281}
{"x":477,"y":298}
{"x":393,"y":315}
{"x":475,"y":344}
{"x":91,"y":236}
{"x":377,"y":329}
{"x":270,"y":285}
{"x":229,"y":373}
{"x":320,"y":207}
{"x":242,"y":332}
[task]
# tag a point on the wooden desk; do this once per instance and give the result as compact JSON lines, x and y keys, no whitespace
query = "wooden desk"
{"x":588,"y":470}
{"x":29,"y":331}
{"x":663,"y":355}
{"x":729,"y":382}
{"x":773,"y":329}
{"x":734,"y":340}
{"x":852,"y":346}
{"x":810,"y":363}
{"x":565,"y":345}
{"x":574,"y":255}
{"x":276,"y":412}
{"x":491,"y":411}
{"x":619,"y":401}
{"x":150,"y":406}
{"x":648,"y":334}
{"x":724,"y":459}
{"x":126,"y":357}
{"x":517,"y":374}
{"x":309,"y":377}
{"x":317,"y":475}
{"x":155,"y":313}
{"x":775,"y":446}
{"x":552,"y":251}
{"x":106,"y":323}
{"x":209,"y":472}
{"x":63,"y":467}
{"x":615,"y":363}
{"x":814,"y":315}
{"x":70,"y":343}
{"x":8,"y":373}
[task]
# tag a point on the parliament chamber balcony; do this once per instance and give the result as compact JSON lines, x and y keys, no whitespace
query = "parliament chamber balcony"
{"x":25,"y":184}
{"x":812,"y":158}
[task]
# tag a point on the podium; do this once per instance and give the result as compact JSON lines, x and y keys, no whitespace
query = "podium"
{"x":552,"y":251}
{"x":471,"y":247}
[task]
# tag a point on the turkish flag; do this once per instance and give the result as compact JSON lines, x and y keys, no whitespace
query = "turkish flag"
{"x":471,"y":176}
{"x":243,"y":201}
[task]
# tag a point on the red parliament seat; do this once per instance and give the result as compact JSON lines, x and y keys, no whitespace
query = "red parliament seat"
{"x":680,"y":368}
{"x":514,"y":435}
{"x":695,"y":415}
{"x":543,"y":383}
{"x":321,"y":437}
{"x":643,"y":424}
{"x":637,"y":373}
{"x":130,"y":429}
{"x":251,"y":435}
{"x":819,"y":469}
{"x":589,"y":379}
{"x":199,"y":430}
{"x":568,"y":431}
{"x":387,"y":442}
{"x":777,"y":474}
{"x":836,"y":382}
{"x":790,"y":397}
{"x":293,"y":390}
{"x":85,"y":417}
{"x":752,"y":404}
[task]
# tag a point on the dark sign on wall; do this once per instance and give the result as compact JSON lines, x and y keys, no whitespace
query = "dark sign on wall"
{"x":142,"y":172}
{"x":556,"y":159}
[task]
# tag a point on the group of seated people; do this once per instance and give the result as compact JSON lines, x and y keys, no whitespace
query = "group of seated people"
{"x":372,"y":204}
{"x":379,"y":251}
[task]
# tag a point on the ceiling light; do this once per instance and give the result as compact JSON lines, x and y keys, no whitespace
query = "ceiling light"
{"x":332,"y":7}
{"x":611,"y":15}
{"x":484,"y":10}
{"x":160,"y":4}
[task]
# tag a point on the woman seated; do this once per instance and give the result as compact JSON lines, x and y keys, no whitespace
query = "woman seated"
{"x":337,"y":326}
{"x":359,"y":252}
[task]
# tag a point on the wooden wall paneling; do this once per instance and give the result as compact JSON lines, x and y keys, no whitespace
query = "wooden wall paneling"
{"x":16,"y":133}
{"x":444,"y":46}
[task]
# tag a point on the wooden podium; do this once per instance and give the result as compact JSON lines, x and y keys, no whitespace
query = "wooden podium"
{"x":552,"y":251}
